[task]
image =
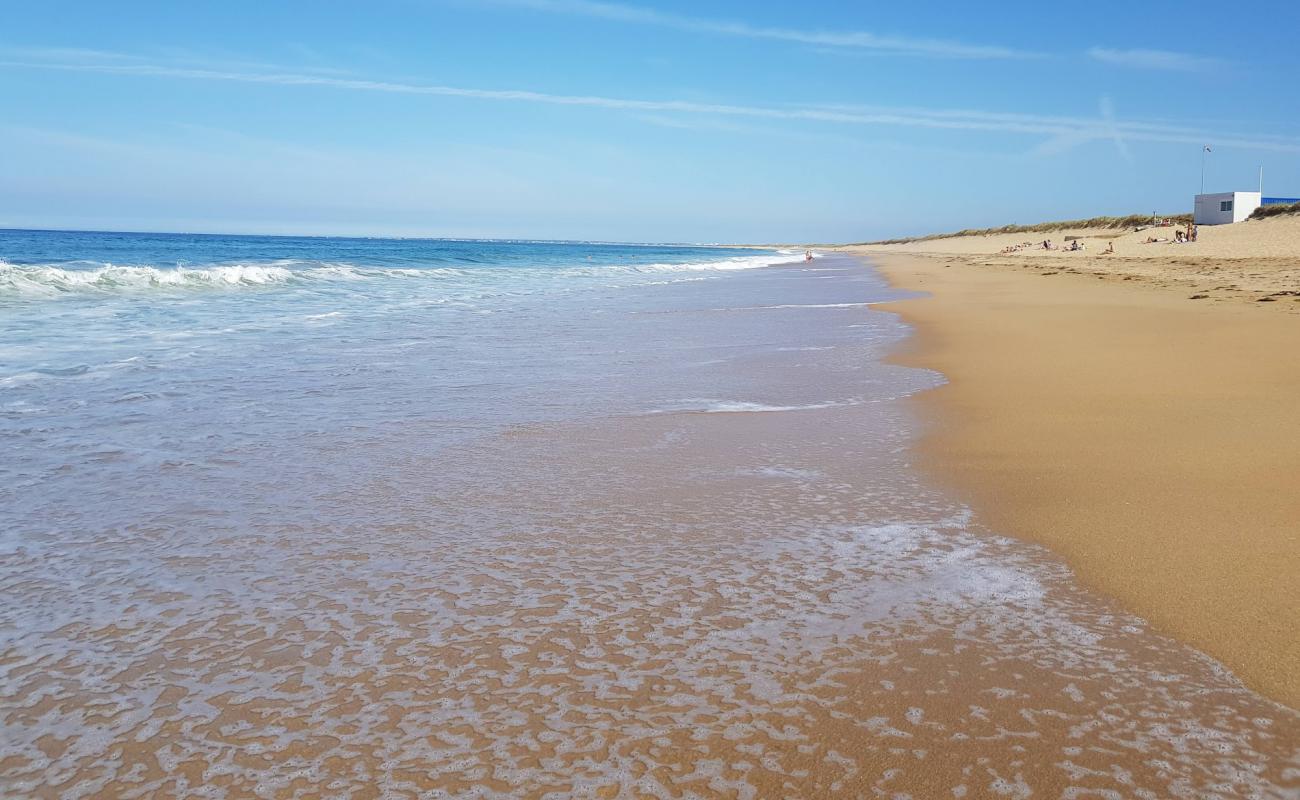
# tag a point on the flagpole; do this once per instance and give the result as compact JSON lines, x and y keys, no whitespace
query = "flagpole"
{"x":1203,"y":149}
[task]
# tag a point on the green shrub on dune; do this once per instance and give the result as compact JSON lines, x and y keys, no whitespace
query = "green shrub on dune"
{"x":1280,"y":209}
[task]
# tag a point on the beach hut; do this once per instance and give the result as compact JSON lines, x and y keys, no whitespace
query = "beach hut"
{"x":1221,"y":208}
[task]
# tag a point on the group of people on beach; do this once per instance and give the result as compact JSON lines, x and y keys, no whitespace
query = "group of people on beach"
{"x":1181,"y":236}
{"x":1074,"y":246}
{"x":1016,"y":248}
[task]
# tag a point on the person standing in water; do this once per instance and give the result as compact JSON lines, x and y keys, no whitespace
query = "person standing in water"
{"x":807,"y":255}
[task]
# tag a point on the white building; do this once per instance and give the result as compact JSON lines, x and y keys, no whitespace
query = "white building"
{"x":1225,"y":207}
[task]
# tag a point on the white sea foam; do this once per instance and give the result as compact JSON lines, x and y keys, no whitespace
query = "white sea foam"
{"x":743,"y":407}
{"x":20,"y":378}
{"x":795,"y":305}
{"x":746,"y":407}
{"x":54,"y":280}
{"x":725,"y":265}
{"x":791,"y":473}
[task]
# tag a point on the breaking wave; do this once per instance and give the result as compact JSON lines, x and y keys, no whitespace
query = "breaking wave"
{"x":52,"y":281}
{"x":39,"y":281}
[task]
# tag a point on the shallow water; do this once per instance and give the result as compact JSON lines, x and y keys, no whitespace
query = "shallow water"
{"x":634,"y":527}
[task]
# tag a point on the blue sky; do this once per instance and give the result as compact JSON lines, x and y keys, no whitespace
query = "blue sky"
{"x":649,"y":121}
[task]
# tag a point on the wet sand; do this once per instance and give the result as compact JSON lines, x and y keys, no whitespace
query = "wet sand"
{"x":1151,"y":441}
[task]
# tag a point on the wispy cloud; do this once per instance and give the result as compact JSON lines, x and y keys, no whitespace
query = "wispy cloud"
{"x":172,"y":56}
{"x":1075,"y":129}
{"x":1155,"y":59}
{"x":1107,"y":109}
{"x":68,"y":54}
{"x":900,"y":45}
{"x":1065,"y":128}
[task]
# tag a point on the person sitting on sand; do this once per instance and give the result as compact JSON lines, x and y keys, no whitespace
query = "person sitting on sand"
{"x":1110,"y":248}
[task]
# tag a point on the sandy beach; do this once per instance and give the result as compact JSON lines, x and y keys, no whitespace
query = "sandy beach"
{"x":1257,"y":261}
{"x":1151,"y":440}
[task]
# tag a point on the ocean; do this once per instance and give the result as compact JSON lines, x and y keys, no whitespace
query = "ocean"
{"x":303,"y":517}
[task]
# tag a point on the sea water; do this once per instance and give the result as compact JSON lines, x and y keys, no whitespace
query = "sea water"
{"x":301,"y":517}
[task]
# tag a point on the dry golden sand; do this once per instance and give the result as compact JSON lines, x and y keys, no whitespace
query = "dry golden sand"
{"x":1152,"y":440}
{"x":1252,"y":261}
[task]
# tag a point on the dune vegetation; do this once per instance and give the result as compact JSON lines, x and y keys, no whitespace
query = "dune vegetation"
{"x":1106,"y":223}
{"x":1280,"y":209}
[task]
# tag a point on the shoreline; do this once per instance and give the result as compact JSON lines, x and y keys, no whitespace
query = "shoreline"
{"x":1151,"y":442}
{"x":647,"y":535}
